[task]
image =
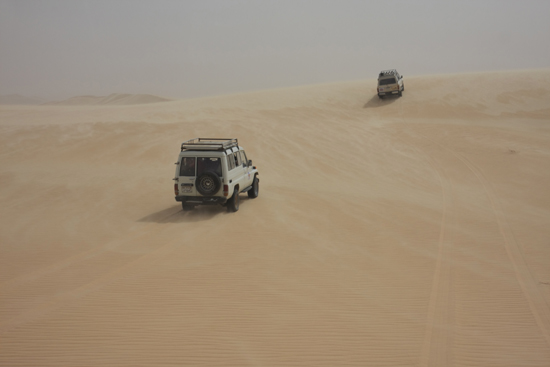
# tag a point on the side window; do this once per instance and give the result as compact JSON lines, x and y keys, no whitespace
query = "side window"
{"x":238,"y":161}
{"x":243,"y":156}
{"x":187,"y":166}
{"x":230,"y":161}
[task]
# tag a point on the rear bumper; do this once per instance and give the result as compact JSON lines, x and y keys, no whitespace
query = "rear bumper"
{"x":200,"y":200}
{"x":388,"y":93}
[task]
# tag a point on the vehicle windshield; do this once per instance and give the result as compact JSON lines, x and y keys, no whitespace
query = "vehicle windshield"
{"x":209,"y":164}
{"x":386,"y":81}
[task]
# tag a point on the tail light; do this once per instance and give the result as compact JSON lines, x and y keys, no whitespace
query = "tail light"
{"x":176,"y":191}
{"x":225,"y":190}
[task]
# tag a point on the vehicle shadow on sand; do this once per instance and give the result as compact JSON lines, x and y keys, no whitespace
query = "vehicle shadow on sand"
{"x":175,"y":214}
{"x":377,"y":102}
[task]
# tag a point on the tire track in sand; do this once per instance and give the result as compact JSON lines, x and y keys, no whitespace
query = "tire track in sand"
{"x":539,"y":308}
{"x":527,"y":282}
{"x":438,"y":337}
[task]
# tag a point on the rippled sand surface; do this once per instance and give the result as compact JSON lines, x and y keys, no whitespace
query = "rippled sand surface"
{"x":408,"y":231}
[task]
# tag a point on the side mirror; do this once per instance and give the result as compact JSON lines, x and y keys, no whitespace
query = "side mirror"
{"x":249,"y":162}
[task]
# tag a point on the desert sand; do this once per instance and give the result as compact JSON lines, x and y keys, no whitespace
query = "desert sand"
{"x":111,"y":99}
{"x":410,"y":231}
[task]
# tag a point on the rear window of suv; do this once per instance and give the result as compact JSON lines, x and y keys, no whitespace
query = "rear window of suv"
{"x":386,"y":81}
{"x":209,"y":164}
{"x":187,"y":166}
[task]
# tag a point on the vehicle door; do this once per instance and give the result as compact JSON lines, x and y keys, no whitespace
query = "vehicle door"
{"x":400,"y":81}
{"x":247,"y":169}
{"x":236,"y":170}
{"x":387,"y":85}
{"x":186,"y":176}
{"x":209,"y":175}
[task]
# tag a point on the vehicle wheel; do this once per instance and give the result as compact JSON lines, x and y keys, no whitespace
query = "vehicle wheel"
{"x":255,"y":190}
{"x":399,"y":93}
{"x":233,"y":203}
{"x":208,"y":183}
{"x":403,"y":88}
{"x":381,"y":97}
{"x":187,"y":207}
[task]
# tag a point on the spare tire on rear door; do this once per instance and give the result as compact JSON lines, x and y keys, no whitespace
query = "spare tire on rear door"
{"x":208,"y":183}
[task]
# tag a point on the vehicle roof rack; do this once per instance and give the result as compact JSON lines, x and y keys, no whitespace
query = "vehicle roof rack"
{"x":388,"y":72}
{"x":212,"y":144}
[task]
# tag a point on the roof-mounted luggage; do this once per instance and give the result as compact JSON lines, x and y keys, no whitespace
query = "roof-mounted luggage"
{"x":387,"y":72}
{"x":212,"y":144}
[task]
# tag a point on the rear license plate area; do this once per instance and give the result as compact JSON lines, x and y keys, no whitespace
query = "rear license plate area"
{"x":186,"y":187}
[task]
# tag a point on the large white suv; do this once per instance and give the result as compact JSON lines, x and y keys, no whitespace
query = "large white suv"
{"x":390,"y":82}
{"x":214,"y":171}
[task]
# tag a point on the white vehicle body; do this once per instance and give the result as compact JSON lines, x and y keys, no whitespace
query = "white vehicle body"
{"x":214,"y":171}
{"x":390,"y":83}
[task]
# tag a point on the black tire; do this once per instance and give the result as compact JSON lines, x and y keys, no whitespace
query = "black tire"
{"x":399,"y":93}
{"x":208,"y":184}
{"x":233,"y":203}
{"x":187,"y":207}
{"x":381,"y":97}
{"x":255,"y":190}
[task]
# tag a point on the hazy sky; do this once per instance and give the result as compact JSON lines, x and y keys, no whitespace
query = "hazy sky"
{"x":185,"y":48}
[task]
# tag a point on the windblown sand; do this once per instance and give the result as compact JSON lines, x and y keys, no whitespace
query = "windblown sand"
{"x":410,"y":231}
{"x":112,"y":99}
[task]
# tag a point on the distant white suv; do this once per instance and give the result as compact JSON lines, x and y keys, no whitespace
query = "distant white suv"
{"x":214,"y":171}
{"x":390,"y":82}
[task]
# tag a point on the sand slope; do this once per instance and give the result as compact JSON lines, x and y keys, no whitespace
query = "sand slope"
{"x":112,"y":99}
{"x":406,"y":232}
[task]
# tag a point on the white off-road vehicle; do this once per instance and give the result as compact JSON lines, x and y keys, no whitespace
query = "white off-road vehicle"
{"x":214,"y":171}
{"x":390,"y":82}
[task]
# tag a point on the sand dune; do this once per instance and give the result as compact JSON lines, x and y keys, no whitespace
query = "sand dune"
{"x":409,"y":231}
{"x":112,"y":99}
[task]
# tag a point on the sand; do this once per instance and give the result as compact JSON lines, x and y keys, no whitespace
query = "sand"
{"x":411,"y":231}
{"x":112,"y":99}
